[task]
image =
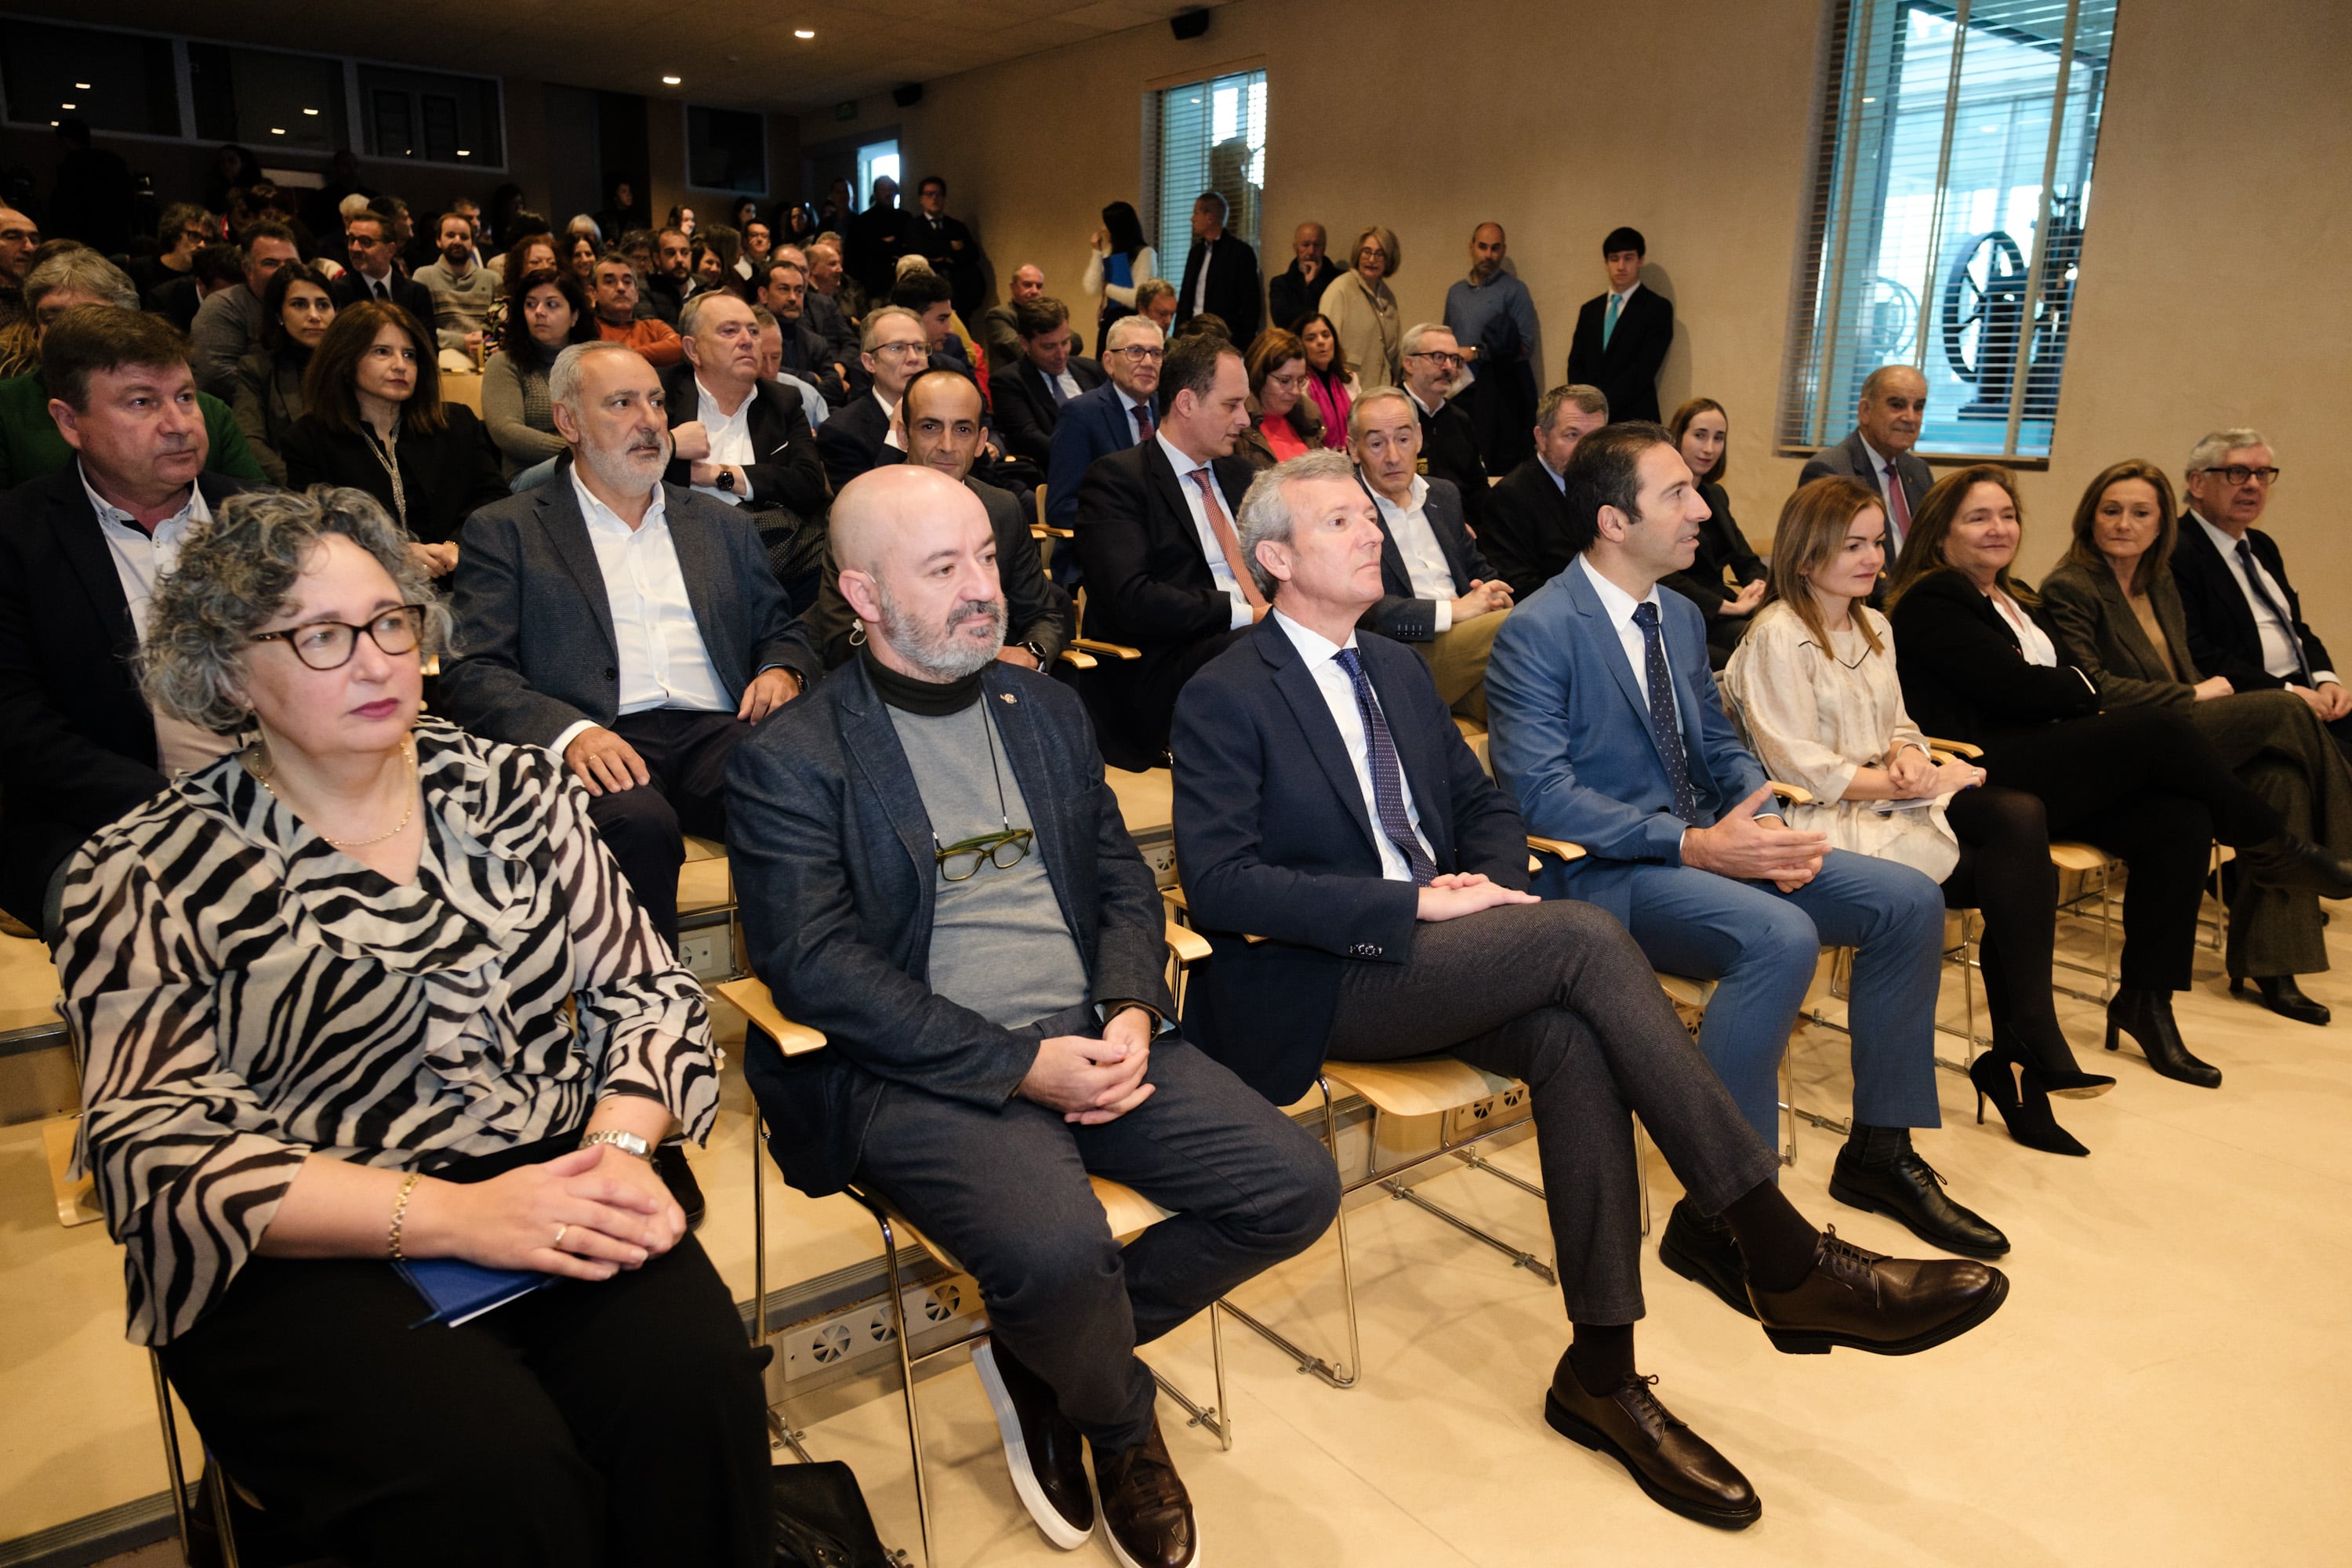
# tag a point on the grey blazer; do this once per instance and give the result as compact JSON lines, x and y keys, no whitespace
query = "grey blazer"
{"x":1851,"y":459}
{"x":2098,"y":633}
{"x":535,"y":622}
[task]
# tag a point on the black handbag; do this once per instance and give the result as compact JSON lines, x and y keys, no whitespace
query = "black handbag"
{"x":822,"y":1519}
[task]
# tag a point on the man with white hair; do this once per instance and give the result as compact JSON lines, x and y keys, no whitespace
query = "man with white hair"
{"x":582,"y":607}
{"x":1432,"y":359}
{"x":1111,"y":417}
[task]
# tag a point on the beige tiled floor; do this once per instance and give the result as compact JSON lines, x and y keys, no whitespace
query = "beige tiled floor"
{"x":2168,"y":1383}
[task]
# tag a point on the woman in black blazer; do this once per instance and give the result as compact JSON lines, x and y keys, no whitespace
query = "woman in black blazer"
{"x":1702,"y":433}
{"x":1977,"y":665}
{"x":377,"y":424}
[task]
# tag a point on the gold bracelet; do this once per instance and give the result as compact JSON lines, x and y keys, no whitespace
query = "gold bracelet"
{"x":399,"y":1213}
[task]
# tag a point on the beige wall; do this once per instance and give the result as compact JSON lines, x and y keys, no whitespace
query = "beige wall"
{"x":2215,"y":286}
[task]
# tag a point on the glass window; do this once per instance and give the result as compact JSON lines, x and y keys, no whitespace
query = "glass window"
{"x":878,"y":160}
{"x":1953,"y":183}
{"x":432,"y":117}
{"x":268,"y":101}
{"x":1210,"y":136}
{"x":725,"y":150}
{"x":117,"y":81}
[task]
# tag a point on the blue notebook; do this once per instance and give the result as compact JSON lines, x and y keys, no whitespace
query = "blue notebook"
{"x":459,"y":1291}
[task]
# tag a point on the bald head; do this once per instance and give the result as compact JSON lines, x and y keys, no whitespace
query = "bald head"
{"x":1894,"y":406}
{"x":918,"y":563}
{"x":1486,"y":250}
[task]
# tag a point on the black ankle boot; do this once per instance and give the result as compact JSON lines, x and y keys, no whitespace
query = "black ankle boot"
{"x":2147,"y":1017}
{"x":2296,"y":864}
{"x":1879,"y":1172}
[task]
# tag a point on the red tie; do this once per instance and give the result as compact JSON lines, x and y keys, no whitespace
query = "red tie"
{"x":1143,"y":412}
{"x":1228,"y":541}
{"x":1901,"y":504}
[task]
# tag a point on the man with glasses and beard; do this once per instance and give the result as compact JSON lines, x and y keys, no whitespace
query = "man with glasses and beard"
{"x":934,"y":874}
{"x":581,"y":606}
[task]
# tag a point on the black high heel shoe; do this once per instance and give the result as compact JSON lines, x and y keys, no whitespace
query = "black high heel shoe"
{"x":2017,"y":1093}
{"x":2052,"y":1061}
{"x":2146,"y":1017}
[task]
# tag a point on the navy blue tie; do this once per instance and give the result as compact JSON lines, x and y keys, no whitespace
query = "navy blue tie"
{"x":1663,"y":727}
{"x":1388,"y":777}
{"x":2278,"y":611}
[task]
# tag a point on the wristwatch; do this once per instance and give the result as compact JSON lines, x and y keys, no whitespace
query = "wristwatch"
{"x":725,"y":480}
{"x":626,"y":1142}
{"x":1037,"y":653}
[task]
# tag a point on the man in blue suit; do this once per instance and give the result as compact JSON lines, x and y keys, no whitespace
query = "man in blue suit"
{"x":1326,"y":803}
{"x":1110,"y":419}
{"x":1606,"y":727}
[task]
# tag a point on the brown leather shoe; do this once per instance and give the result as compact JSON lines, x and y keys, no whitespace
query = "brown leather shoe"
{"x":1868,"y":1302}
{"x":1042,"y":1449}
{"x":1678,"y":1468}
{"x":1145,"y":1512}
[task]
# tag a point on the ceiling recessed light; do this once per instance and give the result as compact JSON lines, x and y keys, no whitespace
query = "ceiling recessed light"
{"x":803,"y":32}
{"x":671,"y":80}
{"x":83,"y":86}
{"x":462,"y":153}
{"x":278,"y":130}
{"x":66,"y":106}
{"x":312,"y":112}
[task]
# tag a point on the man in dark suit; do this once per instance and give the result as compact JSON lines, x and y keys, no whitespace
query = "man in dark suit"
{"x":877,"y":238}
{"x":1112,"y":418}
{"x":1297,"y":292}
{"x":1622,"y":337}
{"x":781,"y":285}
{"x":1609,"y":732}
{"x":1449,"y":444}
{"x":80,"y":551}
{"x":630,"y":627}
{"x":1327,"y":806}
{"x":1221,"y":276}
{"x":1155,"y":536}
{"x":374,"y":270}
{"x":1438,"y":592}
{"x":1527,"y":536}
{"x":2245,"y":619}
{"x":1887,"y":426}
{"x":945,"y":242}
{"x":1030,"y":390}
{"x":996,"y":1017}
{"x":862,"y":434}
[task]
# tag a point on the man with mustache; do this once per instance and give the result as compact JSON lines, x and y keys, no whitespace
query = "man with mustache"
{"x":933,"y":873}
{"x":461,"y":286}
{"x":581,"y":606}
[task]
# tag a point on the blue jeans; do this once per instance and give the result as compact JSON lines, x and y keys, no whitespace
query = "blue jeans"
{"x":1762,"y":944}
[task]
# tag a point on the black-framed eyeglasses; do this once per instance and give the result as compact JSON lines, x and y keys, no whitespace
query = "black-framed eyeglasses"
{"x":2238,"y":474}
{"x":1138,"y":353}
{"x":1449,"y":361}
{"x":961,"y":861}
{"x":329,"y":645}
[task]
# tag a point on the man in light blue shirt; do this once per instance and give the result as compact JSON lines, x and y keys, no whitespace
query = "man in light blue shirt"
{"x":1493,"y":316}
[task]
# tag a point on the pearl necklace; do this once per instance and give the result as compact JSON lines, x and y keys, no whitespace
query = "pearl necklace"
{"x":262,"y":777}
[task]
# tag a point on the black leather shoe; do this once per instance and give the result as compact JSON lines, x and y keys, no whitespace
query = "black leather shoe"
{"x":1702,"y":1251}
{"x":1677,"y":1468}
{"x":1902,"y":1186}
{"x":1888,"y":1306}
{"x":2147,"y":1017}
{"x":2298,"y":865}
{"x":1145,"y":1512}
{"x":1042,"y":1449}
{"x":2281,"y":995}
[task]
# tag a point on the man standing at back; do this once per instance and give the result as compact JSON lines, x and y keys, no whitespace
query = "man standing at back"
{"x":1297,"y":293}
{"x":1110,"y":419}
{"x":1221,"y":276}
{"x":1622,"y":337}
{"x":1878,"y":451}
{"x":1493,"y":318}
{"x":945,"y":241}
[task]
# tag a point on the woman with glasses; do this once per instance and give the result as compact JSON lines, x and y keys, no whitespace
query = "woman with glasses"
{"x":376,"y":422}
{"x":1362,"y":309}
{"x":1286,"y":424}
{"x":1330,"y":384}
{"x":367,"y":995}
{"x":297,"y":308}
{"x":2116,"y":612}
{"x":549,"y":315}
{"x":1120,"y":261}
{"x":1702,"y":434}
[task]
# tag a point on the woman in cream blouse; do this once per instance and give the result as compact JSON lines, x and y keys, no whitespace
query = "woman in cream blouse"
{"x":1814,"y":683}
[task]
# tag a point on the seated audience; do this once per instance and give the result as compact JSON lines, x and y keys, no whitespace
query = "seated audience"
{"x":771,"y":367}
{"x":1607,"y":729}
{"x":578,"y":248}
{"x":1329,"y":381}
{"x":671,"y":278}
{"x":1031,"y":388}
{"x":462,"y":288}
{"x":1122,"y":260}
{"x":82,"y":545}
{"x":217,"y":266}
{"x":925,"y":292}
{"x":297,"y":312}
{"x":32,"y":445}
{"x":781,"y":285}
{"x":648,"y":733}
{"x":19,"y":237}
{"x":865,"y":432}
{"x":943,"y":429}
{"x":1420,"y":936}
{"x":713,"y":260}
{"x":1814,"y":690}
{"x":1297,"y":292}
{"x":2243,"y":617}
{"x":1286,"y":425}
{"x":2115,"y":612}
{"x":1979,"y":664}
{"x":617,"y":321}
{"x":759,"y":241}
{"x":1221,"y":276}
{"x":1702,"y":433}
{"x":368,"y":986}
{"x":229,"y":323}
{"x":180,"y":232}
{"x":828,"y":311}
{"x":1362,"y":309}
{"x":1438,"y":593}
{"x":1432,"y":361}
{"x":1162,"y":564}
{"x":1529,"y":535}
{"x":1493,"y":316}
{"x":373,"y":272}
{"x":996,"y":1035}
{"x":549,"y":315}
{"x":1112,"y":418}
{"x":1000,"y":326}
{"x":1155,"y":301}
{"x":377,"y":422}
{"x":1893,"y":407}
{"x":1622,"y":337}
{"x":533,"y":252}
{"x":1204,"y":323}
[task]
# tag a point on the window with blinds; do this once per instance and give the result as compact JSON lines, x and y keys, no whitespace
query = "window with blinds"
{"x":1205,"y":136}
{"x":1952,"y":181}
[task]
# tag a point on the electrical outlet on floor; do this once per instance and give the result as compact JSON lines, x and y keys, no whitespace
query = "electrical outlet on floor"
{"x":702,"y":953}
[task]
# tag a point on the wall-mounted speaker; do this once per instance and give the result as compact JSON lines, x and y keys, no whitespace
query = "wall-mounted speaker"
{"x":1190,"y":24}
{"x":907,"y":94}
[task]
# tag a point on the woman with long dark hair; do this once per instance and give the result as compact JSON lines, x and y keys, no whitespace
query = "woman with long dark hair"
{"x":550,"y":314}
{"x":1121,"y":259}
{"x":1330,"y":384}
{"x":296,"y":311}
{"x":1285,"y":422}
{"x":1702,"y":434}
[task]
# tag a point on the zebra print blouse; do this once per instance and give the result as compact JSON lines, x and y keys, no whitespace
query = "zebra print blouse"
{"x":249,"y":995}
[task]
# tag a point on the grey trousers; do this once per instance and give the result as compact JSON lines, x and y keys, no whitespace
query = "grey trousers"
{"x":1004,"y":1191}
{"x":2275,"y":742}
{"x":1557,"y":994}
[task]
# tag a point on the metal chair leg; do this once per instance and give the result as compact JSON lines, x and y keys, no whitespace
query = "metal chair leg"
{"x":1339,"y":1376}
{"x":907,"y":1372}
{"x":172,"y":1455}
{"x":216,"y":1485}
{"x":758,"y":1232}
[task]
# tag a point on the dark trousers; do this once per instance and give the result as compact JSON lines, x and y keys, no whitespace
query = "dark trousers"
{"x":2005,"y":874}
{"x":1004,"y":1189}
{"x":1557,"y":994}
{"x":620,"y":1422}
{"x":685,"y":758}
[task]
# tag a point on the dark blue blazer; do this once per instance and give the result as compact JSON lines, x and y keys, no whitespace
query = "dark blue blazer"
{"x":1569,"y":732}
{"x":1273,"y":840}
{"x":834,"y":859}
{"x":1092,"y":425}
{"x":1399,"y":614}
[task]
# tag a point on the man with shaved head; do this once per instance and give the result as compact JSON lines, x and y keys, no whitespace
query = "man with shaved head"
{"x":934,"y":874}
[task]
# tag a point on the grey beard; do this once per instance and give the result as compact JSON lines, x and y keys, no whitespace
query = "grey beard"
{"x":612,"y":467}
{"x":941,"y":652}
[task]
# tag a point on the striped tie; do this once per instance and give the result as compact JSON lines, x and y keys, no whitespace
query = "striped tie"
{"x":1388,"y":777}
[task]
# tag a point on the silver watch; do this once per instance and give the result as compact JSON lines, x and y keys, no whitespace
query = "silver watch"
{"x":626,"y":1142}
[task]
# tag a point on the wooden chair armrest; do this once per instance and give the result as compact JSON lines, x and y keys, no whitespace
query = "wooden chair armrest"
{"x":1958,"y":748}
{"x":751,"y":995}
{"x":1793,"y":793}
{"x":1189,"y":945}
{"x":1108,"y":650}
{"x":1075,"y":659}
{"x":1559,"y":848}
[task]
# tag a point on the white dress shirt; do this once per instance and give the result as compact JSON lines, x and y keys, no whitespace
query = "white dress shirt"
{"x":1322,"y":656}
{"x":1200,"y":283}
{"x":141,"y":558}
{"x":1243,"y":611}
{"x":2281,"y":652}
{"x":2038,"y":648}
{"x":1416,"y":540}
{"x":730,"y":438}
{"x":658,"y":643}
{"x":1619,"y":605}
{"x":1559,"y":479}
{"x":1067,"y":382}
{"x":889,"y":411}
